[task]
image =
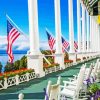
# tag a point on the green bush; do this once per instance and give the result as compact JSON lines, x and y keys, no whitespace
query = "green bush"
{"x":93,"y":88}
{"x":0,"y":66}
{"x":22,"y":63}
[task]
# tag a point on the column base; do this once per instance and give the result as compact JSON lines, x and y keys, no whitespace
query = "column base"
{"x":36,"y":62}
{"x":73,"y":56}
{"x":80,"y":55}
{"x":59,"y":58}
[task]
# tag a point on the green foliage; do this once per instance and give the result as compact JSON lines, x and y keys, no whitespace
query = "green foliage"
{"x":0,"y":66}
{"x":93,"y":88}
{"x":9,"y":67}
{"x":22,"y":63}
{"x":16,"y":64}
{"x":66,"y":56}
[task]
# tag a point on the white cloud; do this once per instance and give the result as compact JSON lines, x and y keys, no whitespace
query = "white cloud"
{"x":44,"y":45}
{"x":22,"y":43}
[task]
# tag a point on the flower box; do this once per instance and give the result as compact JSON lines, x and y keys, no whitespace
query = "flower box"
{"x":14,"y":73}
{"x":78,"y":60}
{"x":68,"y":63}
{"x":51,"y":68}
{"x":84,"y":58}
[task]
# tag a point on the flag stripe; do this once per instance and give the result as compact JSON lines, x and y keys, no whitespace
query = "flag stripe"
{"x":75,"y":46}
{"x":12,"y":35}
{"x":51,"y":40}
{"x":65,"y":44}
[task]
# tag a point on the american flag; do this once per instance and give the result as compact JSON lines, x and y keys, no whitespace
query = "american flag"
{"x":51,"y":40}
{"x":12,"y":35}
{"x":65,"y":44}
{"x":75,"y":46}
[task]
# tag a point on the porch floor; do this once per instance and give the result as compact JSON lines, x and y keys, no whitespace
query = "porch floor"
{"x":33,"y":90}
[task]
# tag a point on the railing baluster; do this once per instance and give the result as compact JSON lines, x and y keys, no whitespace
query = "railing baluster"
{"x":17,"y":79}
{"x":5,"y":83}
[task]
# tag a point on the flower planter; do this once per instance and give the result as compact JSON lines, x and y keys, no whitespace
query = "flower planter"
{"x":51,"y":69}
{"x":68,"y":63}
{"x":13,"y":78}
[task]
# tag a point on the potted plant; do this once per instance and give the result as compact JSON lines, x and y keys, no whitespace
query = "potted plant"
{"x":93,"y":89}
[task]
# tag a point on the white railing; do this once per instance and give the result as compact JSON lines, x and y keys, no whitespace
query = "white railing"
{"x":52,"y":69}
{"x":11,"y":81}
{"x":16,"y":80}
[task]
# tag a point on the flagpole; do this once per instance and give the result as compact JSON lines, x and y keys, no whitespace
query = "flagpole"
{"x":49,"y":31}
{"x":21,"y":32}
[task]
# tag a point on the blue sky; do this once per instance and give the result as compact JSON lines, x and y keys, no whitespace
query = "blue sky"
{"x":18,"y":12}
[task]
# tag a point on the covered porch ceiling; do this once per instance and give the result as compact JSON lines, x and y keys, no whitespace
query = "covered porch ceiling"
{"x":92,"y":6}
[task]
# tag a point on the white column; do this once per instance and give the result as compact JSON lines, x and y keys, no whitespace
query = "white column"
{"x":90,"y":34}
{"x":93,"y":35}
{"x":96,"y":44}
{"x":59,"y":56}
{"x":34,"y":58}
{"x":78,"y":26}
{"x":71,"y":26}
{"x":92,"y":31}
{"x":83,"y":30}
{"x":87,"y":16}
{"x":58,"y":27}
{"x":97,"y":40}
{"x":99,"y":37}
{"x":33,"y":26}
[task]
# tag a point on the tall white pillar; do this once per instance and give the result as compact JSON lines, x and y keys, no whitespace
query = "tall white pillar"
{"x":33,"y":27}
{"x":58,"y":27}
{"x":98,"y":38}
{"x":87,"y":16}
{"x":83,"y":30}
{"x":93,"y":35}
{"x":34,"y":58}
{"x":90,"y":33}
{"x":59,"y":56}
{"x":71,"y":26}
{"x":78,"y":26}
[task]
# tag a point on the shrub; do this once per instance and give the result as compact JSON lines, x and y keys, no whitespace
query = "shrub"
{"x":84,"y":58}
{"x":93,"y":88}
{"x":1,"y":66}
